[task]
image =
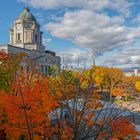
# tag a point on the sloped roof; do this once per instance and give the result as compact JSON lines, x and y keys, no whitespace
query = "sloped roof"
{"x":26,"y":15}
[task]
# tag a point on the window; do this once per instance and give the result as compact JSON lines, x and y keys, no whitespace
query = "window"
{"x":42,"y":68}
{"x":21,"y":68}
{"x":36,"y":38}
{"x":49,"y":70}
{"x":28,"y":69}
{"x":46,"y":69}
{"x":18,"y":36}
{"x":29,"y":37}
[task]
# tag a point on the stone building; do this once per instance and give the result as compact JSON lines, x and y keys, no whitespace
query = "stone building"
{"x":25,"y":36}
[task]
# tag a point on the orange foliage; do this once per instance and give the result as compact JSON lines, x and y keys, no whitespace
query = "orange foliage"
{"x":123,"y":128}
{"x":28,"y":107}
{"x":119,"y":91}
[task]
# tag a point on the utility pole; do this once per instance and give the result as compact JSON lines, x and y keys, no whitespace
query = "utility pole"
{"x":93,"y":61}
{"x":78,"y":61}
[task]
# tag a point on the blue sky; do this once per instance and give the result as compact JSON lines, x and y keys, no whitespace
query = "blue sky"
{"x":80,"y":30}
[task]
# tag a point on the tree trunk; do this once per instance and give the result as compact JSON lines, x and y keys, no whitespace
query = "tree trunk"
{"x":26,"y":117}
{"x":111,"y":95}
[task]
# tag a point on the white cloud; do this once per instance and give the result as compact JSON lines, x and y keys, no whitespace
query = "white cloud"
{"x":88,"y":29}
{"x":122,"y":6}
{"x":90,"y":26}
{"x":75,"y":57}
{"x":136,"y":20}
{"x":126,"y":57}
{"x":51,"y":4}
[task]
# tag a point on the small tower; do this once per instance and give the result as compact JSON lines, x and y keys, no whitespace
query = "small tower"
{"x":25,"y":32}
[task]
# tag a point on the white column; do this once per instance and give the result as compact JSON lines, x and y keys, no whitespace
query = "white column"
{"x":10,"y":37}
{"x":15,"y":34}
{"x":23,"y":36}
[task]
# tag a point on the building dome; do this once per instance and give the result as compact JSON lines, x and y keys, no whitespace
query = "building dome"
{"x":26,"y":15}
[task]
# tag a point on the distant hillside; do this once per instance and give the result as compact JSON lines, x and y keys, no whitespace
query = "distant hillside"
{"x":131,"y":69}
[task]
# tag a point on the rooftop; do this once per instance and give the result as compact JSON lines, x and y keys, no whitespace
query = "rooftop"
{"x":26,"y":15}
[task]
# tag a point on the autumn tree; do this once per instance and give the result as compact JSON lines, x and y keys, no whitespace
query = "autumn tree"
{"x":66,"y":106}
{"x":121,"y":128}
{"x":98,"y":75}
{"x":9,"y":64}
{"x":119,"y":91}
{"x":82,"y":112}
{"x":28,"y":107}
{"x":137,"y":85}
{"x":129,"y":85}
{"x":114,"y":77}
{"x":107,"y":78}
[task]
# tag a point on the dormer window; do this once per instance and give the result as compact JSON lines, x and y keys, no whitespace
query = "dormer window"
{"x":36,"y":38}
{"x":18,"y":37}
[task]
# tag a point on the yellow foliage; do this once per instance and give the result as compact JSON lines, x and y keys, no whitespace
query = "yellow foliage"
{"x":137,"y":85}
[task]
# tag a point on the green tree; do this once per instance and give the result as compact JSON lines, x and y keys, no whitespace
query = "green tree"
{"x":9,"y":64}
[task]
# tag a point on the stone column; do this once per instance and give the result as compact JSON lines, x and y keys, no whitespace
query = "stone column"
{"x":15,"y":34}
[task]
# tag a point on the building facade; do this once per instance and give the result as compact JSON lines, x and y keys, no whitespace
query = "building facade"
{"x":25,"y":36}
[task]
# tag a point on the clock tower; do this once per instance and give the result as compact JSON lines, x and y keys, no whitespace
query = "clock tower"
{"x":25,"y":32}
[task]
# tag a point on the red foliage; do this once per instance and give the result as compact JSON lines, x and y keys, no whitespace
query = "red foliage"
{"x":28,"y":107}
{"x":123,"y":128}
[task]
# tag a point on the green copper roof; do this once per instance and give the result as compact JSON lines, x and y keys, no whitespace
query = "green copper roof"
{"x":26,"y":15}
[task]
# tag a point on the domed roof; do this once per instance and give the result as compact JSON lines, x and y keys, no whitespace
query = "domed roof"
{"x":26,"y":15}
